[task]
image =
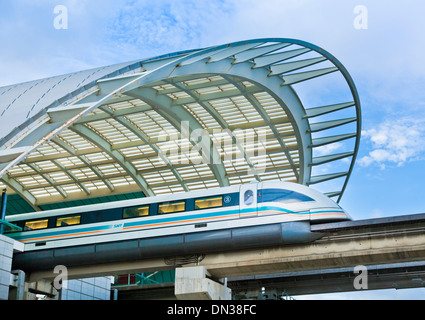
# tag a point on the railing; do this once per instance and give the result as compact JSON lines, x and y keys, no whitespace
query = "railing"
{"x":138,"y":279}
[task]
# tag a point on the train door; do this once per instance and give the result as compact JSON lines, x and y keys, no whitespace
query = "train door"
{"x":248,"y":200}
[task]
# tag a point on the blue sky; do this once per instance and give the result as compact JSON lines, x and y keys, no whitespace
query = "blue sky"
{"x":385,"y":61}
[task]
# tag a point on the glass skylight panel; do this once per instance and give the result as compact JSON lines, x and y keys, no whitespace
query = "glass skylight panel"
{"x":95,"y":185}
{"x":22,"y":169}
{"x":99,"y":157}
{"x":32,"y":181}
{"x":76,"y":141}
{"x":111,"y":170}
{"x":59,"y":177}
{"x":46,"y":166}
{"x":122,"y":181}
{"x":44,"y":192}
{"x":71,"y":188}
{"x":137,"y":152}
{"x":84,"y":173}
{"x":70,"y":162}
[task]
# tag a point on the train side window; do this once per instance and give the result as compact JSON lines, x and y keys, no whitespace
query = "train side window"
{"x":68,"y":221}
{"x":36,"y":225}
{"x":135,"y":212}
{"x":284,"y":196}
{"x":211,"y":202}
{"x":171,"y":207}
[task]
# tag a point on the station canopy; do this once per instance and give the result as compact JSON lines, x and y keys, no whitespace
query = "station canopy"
{"x":264,"y":109}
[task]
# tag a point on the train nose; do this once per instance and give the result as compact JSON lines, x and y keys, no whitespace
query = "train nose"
{"x":329,"y":214}
{"x":348,"y":216}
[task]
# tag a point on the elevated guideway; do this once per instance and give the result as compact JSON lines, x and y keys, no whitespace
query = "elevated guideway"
{"x":392,"y":249}
{"x":385,"y":244}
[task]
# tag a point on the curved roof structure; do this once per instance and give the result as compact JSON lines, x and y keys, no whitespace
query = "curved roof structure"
{"x":197,"y":119}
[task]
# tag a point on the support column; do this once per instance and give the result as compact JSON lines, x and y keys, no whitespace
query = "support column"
{"x":43,"y":289}
{"x":17,"y":285}
{"x":3,"y":209}
{"x":6,"y":253}
{"x":192,"y":283}
{"x":7,"y":247}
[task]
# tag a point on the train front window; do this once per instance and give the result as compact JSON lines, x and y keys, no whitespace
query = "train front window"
{"x":68,"y":221}
{"x":171,"y":207}
{"x":211,"y":202}
{"x":284,"y":196}
{"x":36,"y":225}
{"x":136,"y":212}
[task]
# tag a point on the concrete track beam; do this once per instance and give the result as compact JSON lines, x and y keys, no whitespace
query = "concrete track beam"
{"x":336,"y":250}
{"x":319,"y":255}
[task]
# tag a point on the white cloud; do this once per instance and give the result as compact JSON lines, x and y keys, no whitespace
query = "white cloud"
{"x":396,"y":141}
{"x":167,"y":25}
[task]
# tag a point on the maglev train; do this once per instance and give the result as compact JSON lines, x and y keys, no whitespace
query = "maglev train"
{"x":254,"y":215}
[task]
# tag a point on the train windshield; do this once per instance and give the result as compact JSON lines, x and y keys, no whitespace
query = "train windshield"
{"x":283,"y":196}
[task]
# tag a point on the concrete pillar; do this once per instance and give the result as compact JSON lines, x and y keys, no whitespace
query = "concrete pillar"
{"x":17,"y":285}
{"x":37,"y":290}
{"x":6,"y":254}
{"x":192,"y":283}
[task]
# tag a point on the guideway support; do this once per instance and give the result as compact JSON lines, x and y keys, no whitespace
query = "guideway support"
{"x":194,"y":283}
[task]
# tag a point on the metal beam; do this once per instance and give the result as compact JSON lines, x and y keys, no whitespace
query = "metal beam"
{"x":278,"y":69}
{"x":257,"y":52}
{"x":320,"y":126}
{"x":326,"y":177}
{"x":231,"y":51}
{"x":325,"y":159}
{"x":267,"y":60}
{"x":17,"y":187}
{"x":318,"y":142}
{"x":319,"y":111}
{"x":291,"y":79}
